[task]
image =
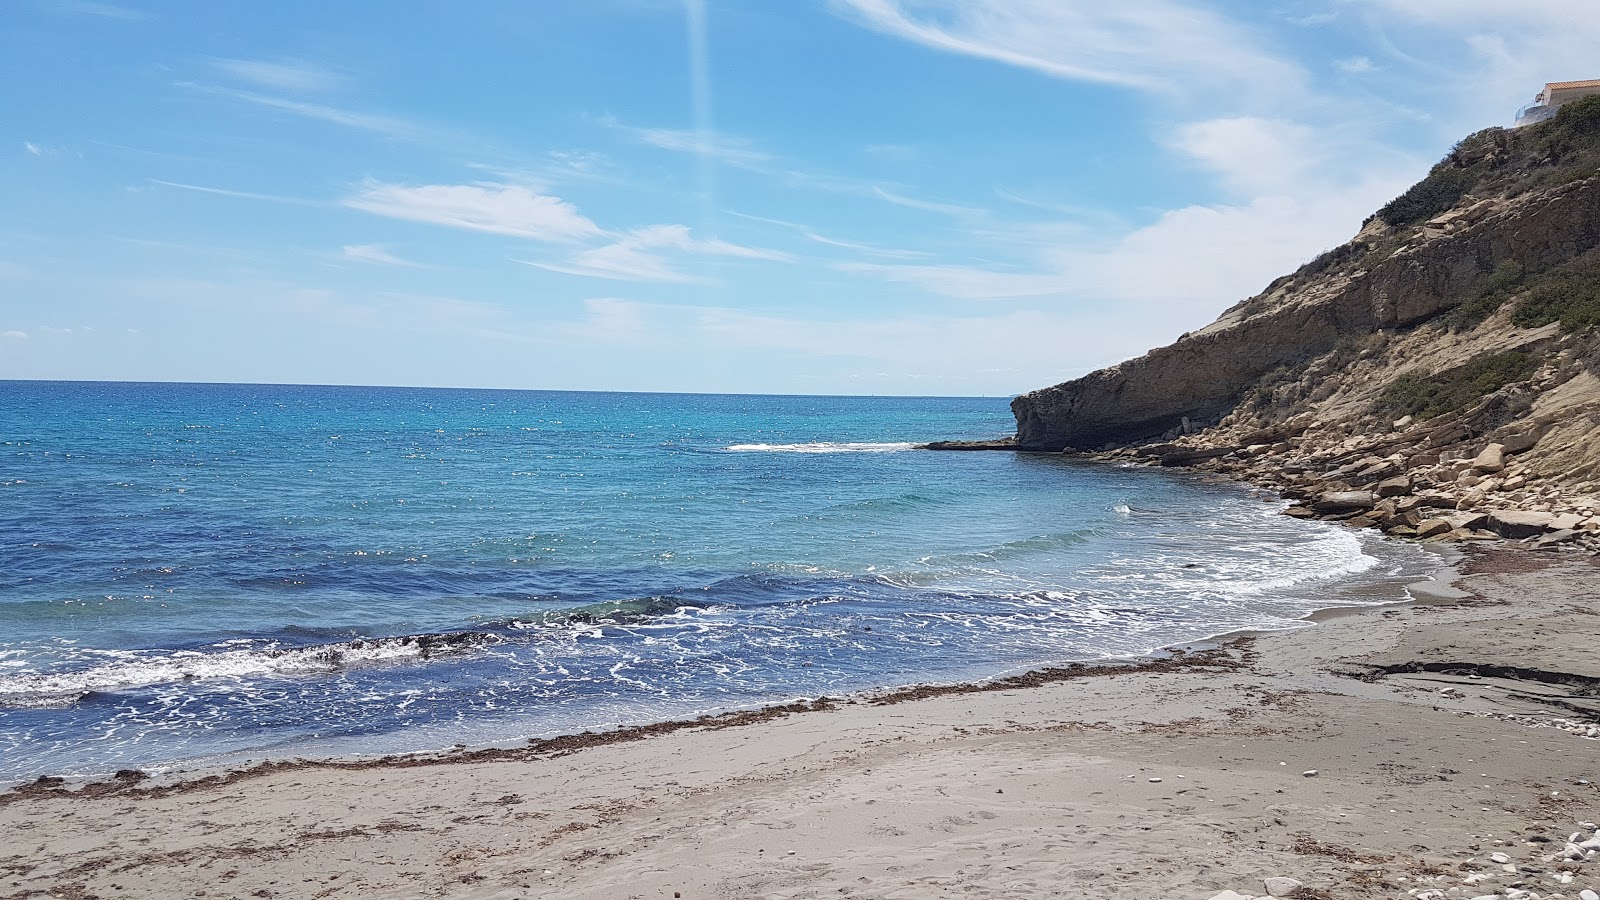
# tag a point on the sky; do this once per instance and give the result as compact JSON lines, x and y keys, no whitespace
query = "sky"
{"x":928,"y":197}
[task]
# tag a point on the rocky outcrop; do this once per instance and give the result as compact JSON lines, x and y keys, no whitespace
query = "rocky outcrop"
{"x":1438,"y":377}
{"x":1203,"y":376}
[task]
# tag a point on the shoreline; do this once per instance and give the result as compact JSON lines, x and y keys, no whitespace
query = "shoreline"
{"x":178,"y":776}
{"x":1177,"y":778}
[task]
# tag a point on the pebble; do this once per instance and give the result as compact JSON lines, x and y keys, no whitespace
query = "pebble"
{"x":1155,"y":781}
{"x":1500,"y":858}
{"x":1587,"y":894}
{"x":1310,"y":773}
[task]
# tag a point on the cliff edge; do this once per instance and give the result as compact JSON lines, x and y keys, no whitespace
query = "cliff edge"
{"x":1465,"y":314}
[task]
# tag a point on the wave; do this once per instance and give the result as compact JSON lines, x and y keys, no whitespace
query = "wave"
{"x":612,"y":612}
{"x":823,"y":447}
{"x":32,"y":690}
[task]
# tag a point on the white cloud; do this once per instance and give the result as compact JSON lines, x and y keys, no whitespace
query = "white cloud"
{"x":724,"y":149}
{"x":1356,"y":65}
{"x":494,"y":208}
{"x":33,"y":148}
{"x":374,"y":253}
{"x":638,"y":256}
{"x":1166,"y":46}
{"x":15,"y":335}
{"x":282,"y":74}
{"x":1252,"y":155}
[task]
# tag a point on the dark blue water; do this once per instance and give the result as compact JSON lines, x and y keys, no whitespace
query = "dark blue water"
{"x":194,"y":573}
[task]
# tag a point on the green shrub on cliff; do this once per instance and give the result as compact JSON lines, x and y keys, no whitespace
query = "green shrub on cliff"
{"x":1568,"y":294}
{"x":1487,"y":295}
{"x":1428,"y":396}
{"x":1431,"y":196}
{"x":1563,"y":148}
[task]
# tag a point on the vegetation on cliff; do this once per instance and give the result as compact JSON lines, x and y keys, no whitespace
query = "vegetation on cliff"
{"x":1504,"y":161}
{"x":1428,"y":396}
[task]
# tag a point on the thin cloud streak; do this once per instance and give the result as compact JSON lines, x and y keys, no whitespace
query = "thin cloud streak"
{"x":385,"y":125}
{"x":507,"y":209}
{"x":281,"y":74}
{"x":241,"y":195}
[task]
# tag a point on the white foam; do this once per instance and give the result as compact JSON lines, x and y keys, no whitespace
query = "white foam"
{"x":139,"y":670}
{"x":823,"y":447}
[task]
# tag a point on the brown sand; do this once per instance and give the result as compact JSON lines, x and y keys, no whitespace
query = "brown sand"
{"x":1179,"y":780}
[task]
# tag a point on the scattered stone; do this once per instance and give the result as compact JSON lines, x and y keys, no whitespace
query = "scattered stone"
{"x":1230,"y":895}
{"x":1309,"y":773}
{"x":1499,"y":858}
{"x":1516,"y":524}
{"x":1282,"y":887}
{"x":1566,"y":522}
{"x":1155,"y":781}
{"x":1492,"y":459}
{"x":1554,"y":538}
{"x":1587,"y":894}
{"x":1398,"y":486}
{"x":1431,"y":527}
{"x":1344,"y":501}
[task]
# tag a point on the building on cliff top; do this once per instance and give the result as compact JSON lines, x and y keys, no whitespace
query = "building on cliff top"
{"x":1553,"y":96}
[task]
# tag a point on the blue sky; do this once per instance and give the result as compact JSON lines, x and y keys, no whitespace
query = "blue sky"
{"x":840,"y":196}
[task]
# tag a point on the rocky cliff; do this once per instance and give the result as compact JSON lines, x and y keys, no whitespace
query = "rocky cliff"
{"x":1465,"y":314}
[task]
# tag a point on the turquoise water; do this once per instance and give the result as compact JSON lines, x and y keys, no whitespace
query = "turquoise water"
{"x":198,"y":573}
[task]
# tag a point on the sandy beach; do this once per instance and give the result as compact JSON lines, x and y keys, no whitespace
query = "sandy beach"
{"x":1382,"y":753}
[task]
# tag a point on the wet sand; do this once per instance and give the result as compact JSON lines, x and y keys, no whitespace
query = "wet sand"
{"x":1438,"y":733}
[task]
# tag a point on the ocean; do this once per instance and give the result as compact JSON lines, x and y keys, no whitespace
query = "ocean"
{"x":196,"y":575}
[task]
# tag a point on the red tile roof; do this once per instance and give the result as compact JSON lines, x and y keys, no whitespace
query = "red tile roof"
{"x":1563,"y":85}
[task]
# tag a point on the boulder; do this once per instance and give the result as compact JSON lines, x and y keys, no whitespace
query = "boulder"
{"x":1566,"y":522}
{"x":1513,"y":523}
{"x":1467,"y":521}
{"x":1344,"y":501}
{"x":1554,"y":538}
{"x":1491,"y":459}
{"x":1430,"y":527}
{"x":1398,"y":486}
{"x":1521,"y":443}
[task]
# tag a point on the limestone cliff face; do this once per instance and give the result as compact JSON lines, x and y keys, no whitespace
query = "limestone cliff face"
{"x":1465,"y":316}
{"x":1394,"y":281}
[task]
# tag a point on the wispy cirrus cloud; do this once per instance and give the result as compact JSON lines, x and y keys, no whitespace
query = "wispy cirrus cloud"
{"x":333,"y":115}
{"x":1164,"y":46}
{"x":723,"y":148}
{"x":375,"y":253}
{"x":651,"y":254}
{"x":238,"y":195}
{"x":281,"y":74}
{"x":508,"y":209}
{"x":811,"y":235}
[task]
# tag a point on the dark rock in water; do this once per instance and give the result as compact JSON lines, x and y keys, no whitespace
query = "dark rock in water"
{"x":1005,"y":443}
